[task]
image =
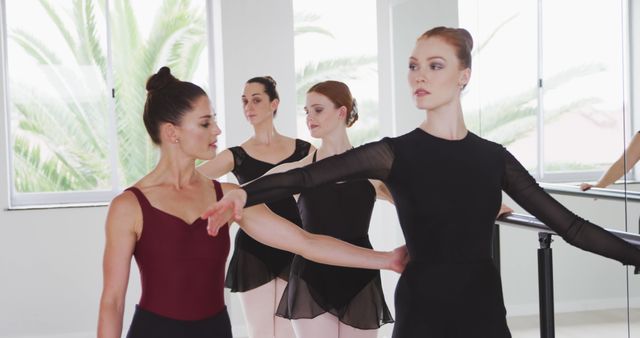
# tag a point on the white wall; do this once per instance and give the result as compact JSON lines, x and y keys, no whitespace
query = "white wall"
{"x":257,"y":40}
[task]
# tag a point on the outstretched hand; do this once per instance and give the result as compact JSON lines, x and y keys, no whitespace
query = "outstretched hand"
{"x":504,"y":209}
{"x":585,"y":186}
{"x":229,"y":208}
{"x":400,"y":258}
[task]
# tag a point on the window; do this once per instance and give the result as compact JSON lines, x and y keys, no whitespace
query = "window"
{"x":76,"y":72}
{"x":558,"y":103}
{"x":336,"y":40}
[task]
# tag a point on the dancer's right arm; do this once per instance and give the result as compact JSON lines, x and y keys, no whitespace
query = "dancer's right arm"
{"x":264,"y":226}
{"x":373,"y":160}
{"x":220,"y":165}
{"x":123,"y":219}
{"x":618,"y":168}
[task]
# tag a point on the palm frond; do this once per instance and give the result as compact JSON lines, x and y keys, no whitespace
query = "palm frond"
{"x":58,"y":124}
{"x":305,"y":17}
{"x":58,"y":170}
{"x":303,"y":24}
{"x":93,"y":41}
{"x":59,"y":144}
{"x":129,"y":22}
{"x":82,"y":50}
{"x":186,"y":50}
{"x":302,"y":30}
{"x":495,"y":31}
{"x":35,"y":48}
{"x":523,"y":105}
{"x":55,"y":17}
{"x":336,"y":69}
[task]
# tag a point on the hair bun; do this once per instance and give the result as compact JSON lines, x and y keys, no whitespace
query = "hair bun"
{"x":160,"y":79}
{"x":353,"y":114}
{"x":270,"y":79}
{"x":468,"y":40}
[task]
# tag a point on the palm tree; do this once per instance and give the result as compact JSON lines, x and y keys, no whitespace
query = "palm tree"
{"x":506,"y":120}
{"x":60,"y":142}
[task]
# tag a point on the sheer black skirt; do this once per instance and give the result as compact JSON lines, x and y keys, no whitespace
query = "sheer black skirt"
{"x":353,"y":295}
{"x":254,"y":264}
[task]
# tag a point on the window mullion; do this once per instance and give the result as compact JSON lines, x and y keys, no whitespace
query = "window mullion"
{"x":113,"y":127}
{"x":5,"y":102}
{"x":540,"y":117}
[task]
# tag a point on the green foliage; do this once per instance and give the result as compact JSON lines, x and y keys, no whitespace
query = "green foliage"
{"x":61,"y":143}
{"x":507,"y":120}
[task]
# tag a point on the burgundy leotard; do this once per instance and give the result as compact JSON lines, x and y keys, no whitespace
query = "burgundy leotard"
{"x":181,"y":266}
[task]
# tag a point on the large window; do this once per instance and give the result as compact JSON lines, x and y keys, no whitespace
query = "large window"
{"x":76,"y":72}
{"x":337,"y":40}
{"x":558,"y":102}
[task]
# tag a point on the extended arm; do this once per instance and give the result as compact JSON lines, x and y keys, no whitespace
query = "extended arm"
{"x":265,"y":226}
{"x":382,"y":192}
{"x":618,"y":168}
{"x":218,"y":166}
{"x":372,"y":160}
{"x":578,"y":232}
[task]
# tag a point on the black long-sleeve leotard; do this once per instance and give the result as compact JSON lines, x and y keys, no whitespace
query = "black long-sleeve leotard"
{"x":447,"y":194}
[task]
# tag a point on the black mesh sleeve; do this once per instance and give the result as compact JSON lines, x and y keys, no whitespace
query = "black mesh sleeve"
{"x":583,"y":234}
{"x":372,"y":160}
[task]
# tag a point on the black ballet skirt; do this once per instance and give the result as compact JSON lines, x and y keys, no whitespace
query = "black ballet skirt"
{"x":447,"y":194}
{"x":353,"y":295}
{"x":254,"y":264}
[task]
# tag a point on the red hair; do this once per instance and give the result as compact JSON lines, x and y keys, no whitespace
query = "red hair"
{"x":458,"y":38}
{"x":338,"y":93}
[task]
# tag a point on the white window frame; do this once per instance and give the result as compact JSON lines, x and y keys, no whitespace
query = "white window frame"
{"x":593,"y":175}
{"x":39,"y":200}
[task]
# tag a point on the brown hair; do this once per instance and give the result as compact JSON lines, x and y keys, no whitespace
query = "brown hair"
{"x":459,"y":38}
{"x":168,"y":99}
{"x":340,"y":95}
{"x":269,"y":85}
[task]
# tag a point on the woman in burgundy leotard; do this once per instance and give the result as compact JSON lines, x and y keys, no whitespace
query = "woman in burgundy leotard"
{"x":157,"y":222}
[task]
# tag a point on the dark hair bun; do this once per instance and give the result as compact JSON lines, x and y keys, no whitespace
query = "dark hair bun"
{"x":270,"y":80}
{"x":353,"y":114}
{"x":160,"y":79}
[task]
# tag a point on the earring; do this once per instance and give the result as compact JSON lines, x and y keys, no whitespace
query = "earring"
{"x":176,"y":141}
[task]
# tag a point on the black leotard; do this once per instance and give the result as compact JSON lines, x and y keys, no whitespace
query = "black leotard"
{"x":254,"y":264}
{"x":341,"y":210}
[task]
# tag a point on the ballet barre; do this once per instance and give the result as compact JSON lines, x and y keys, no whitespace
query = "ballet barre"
{"x":603,"y":193}
{"x":545,"y":261}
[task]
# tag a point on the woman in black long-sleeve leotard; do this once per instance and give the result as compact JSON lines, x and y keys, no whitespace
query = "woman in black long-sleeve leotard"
{"x":446,"y":183}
